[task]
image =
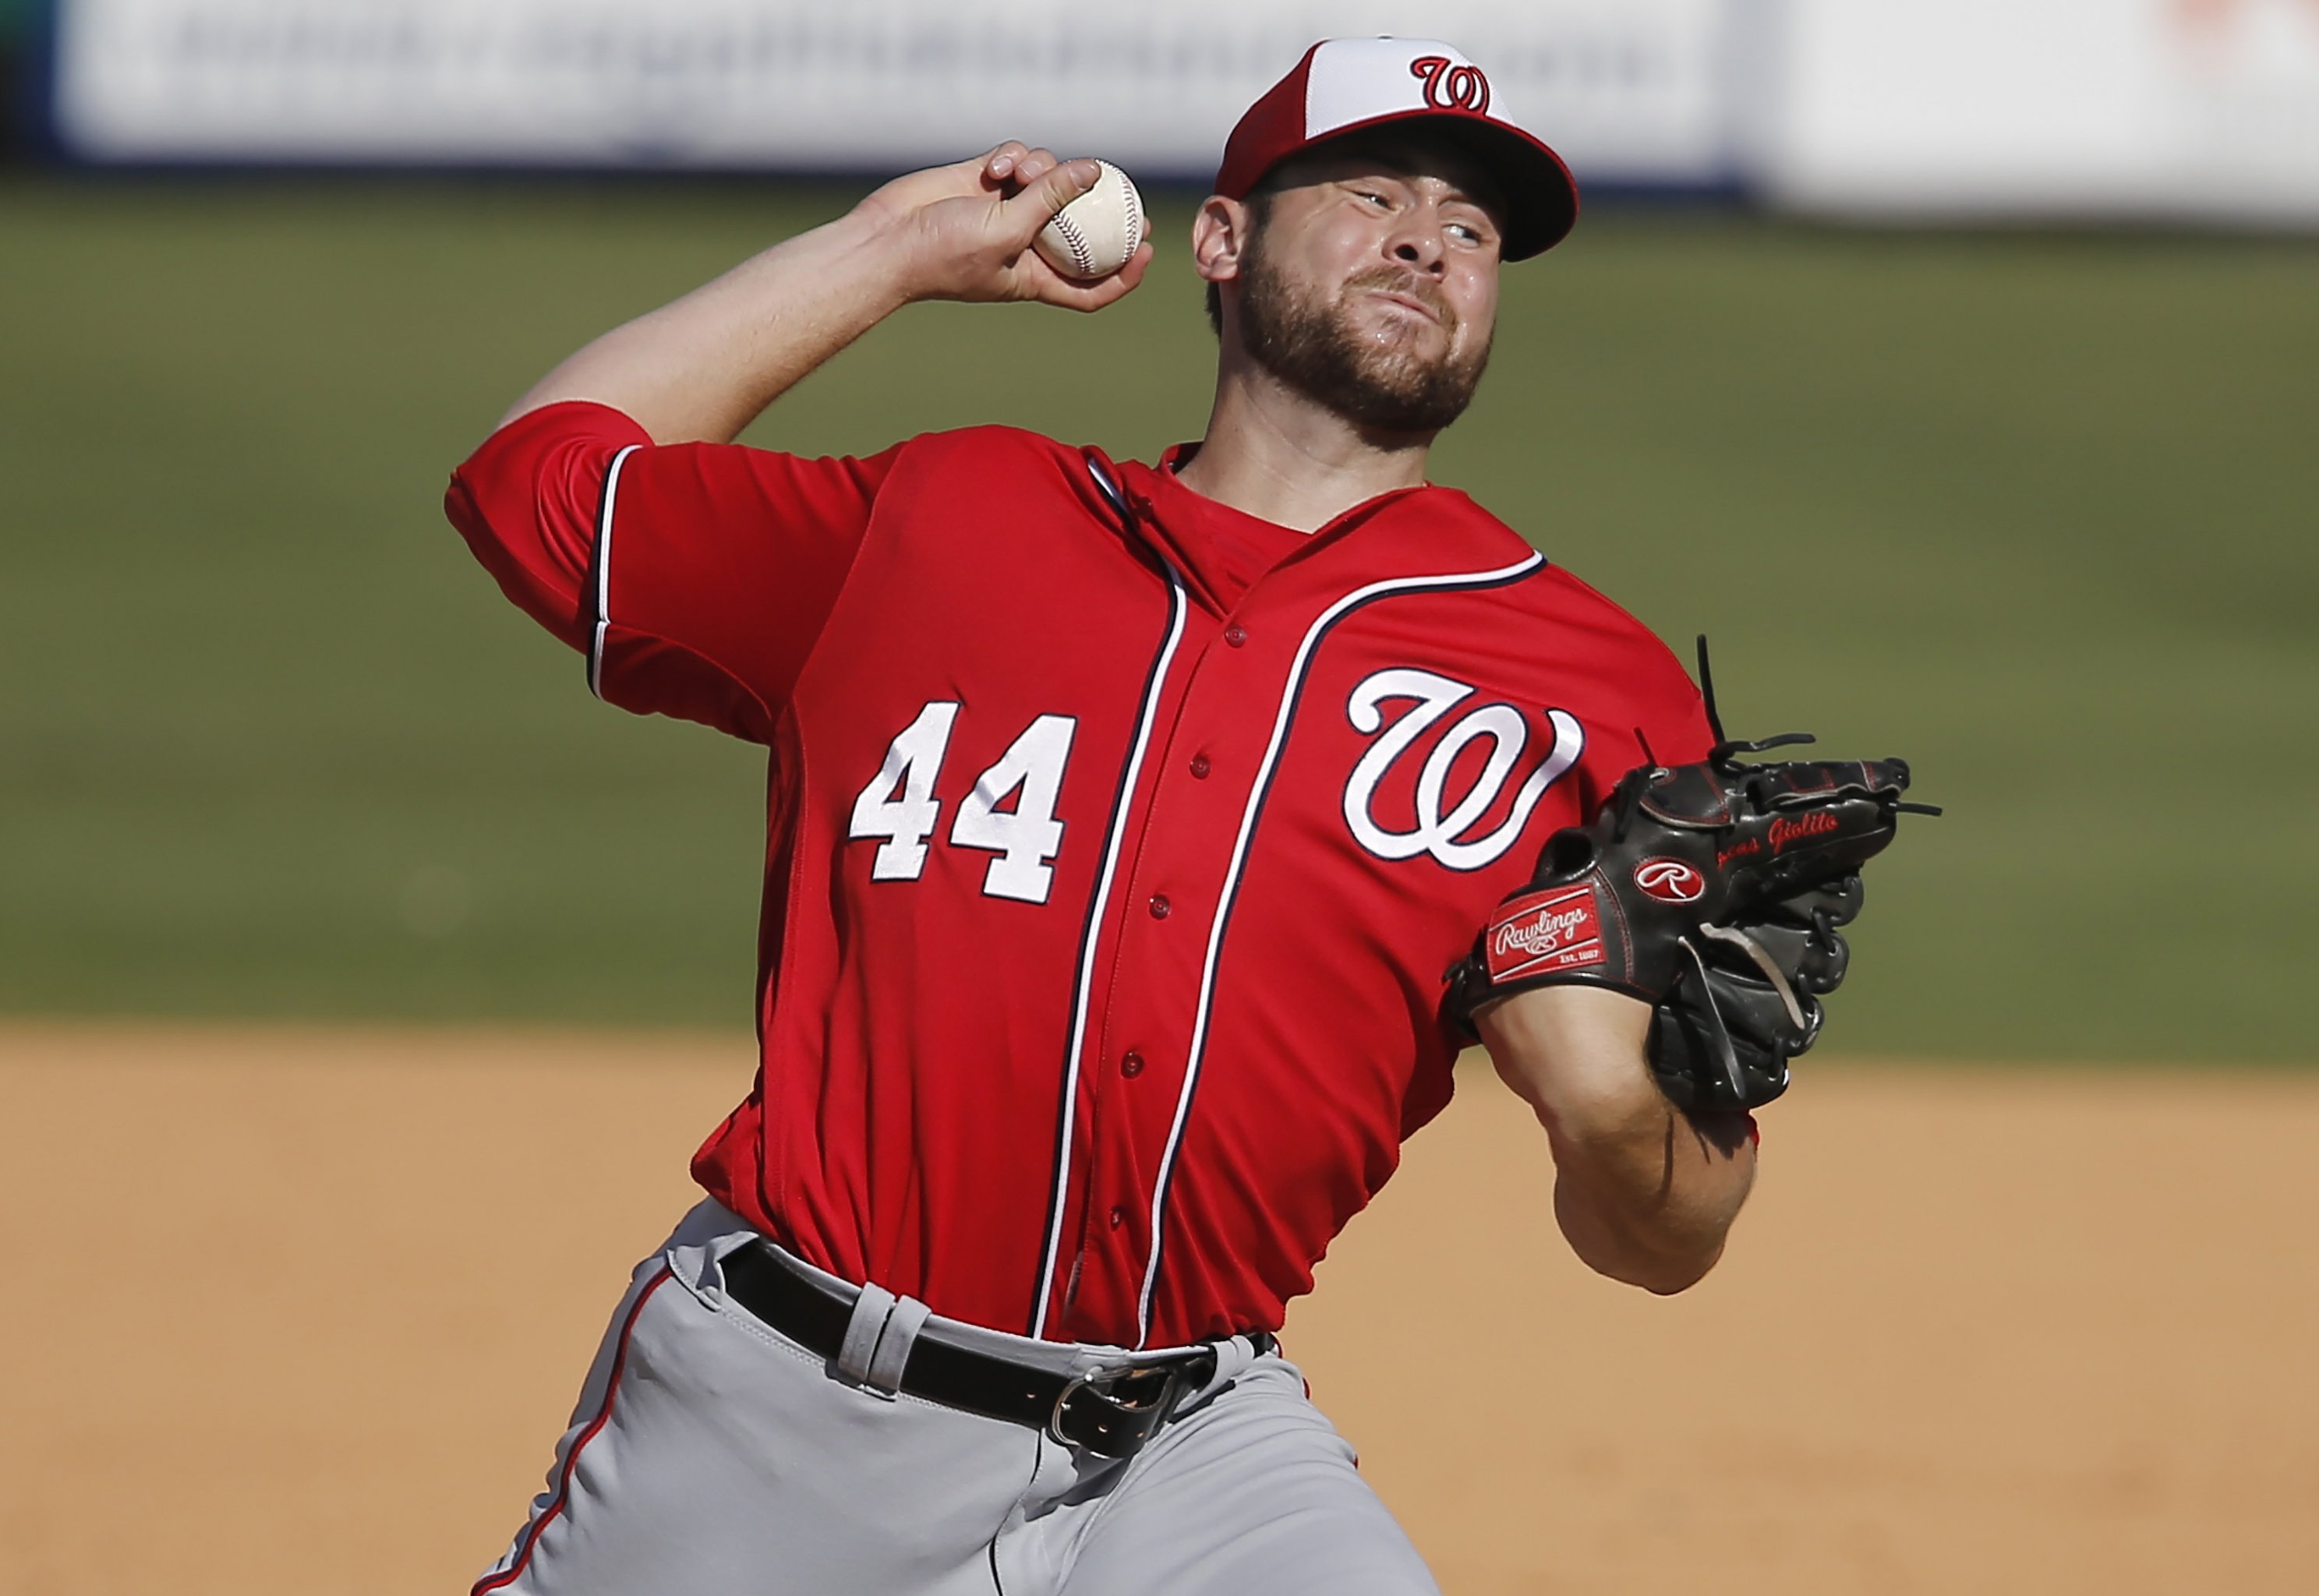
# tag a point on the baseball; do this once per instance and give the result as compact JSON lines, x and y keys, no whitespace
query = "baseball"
{"x":1096,"y":233}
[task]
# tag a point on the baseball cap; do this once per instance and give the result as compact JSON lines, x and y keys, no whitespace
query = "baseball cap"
{"x":1343,"y":85}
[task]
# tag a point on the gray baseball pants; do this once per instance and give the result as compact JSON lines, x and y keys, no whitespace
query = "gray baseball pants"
{"x":711,"y":1455}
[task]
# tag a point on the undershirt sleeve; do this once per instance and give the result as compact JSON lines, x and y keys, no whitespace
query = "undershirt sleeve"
{"x":695,"y":577}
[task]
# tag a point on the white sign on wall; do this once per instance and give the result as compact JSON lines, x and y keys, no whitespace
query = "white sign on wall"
{"x":1629,"y":90}
{"x":2120,"y":108}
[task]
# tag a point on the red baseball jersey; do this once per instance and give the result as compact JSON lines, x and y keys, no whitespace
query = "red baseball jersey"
{"x":1118,"y":843}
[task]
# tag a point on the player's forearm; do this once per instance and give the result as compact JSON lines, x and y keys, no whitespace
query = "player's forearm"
{"x":703,"y":367}
{"x":1644,"y":1193}
{"x":1652,"y":1205}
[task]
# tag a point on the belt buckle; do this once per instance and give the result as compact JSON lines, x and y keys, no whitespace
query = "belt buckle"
{"x":1131,"y":1423}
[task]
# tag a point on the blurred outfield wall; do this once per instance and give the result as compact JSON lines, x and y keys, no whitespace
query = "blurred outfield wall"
{"x":2168,"y":110}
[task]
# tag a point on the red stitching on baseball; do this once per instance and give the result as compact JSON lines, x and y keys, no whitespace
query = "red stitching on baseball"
{"x":1081,"y":256}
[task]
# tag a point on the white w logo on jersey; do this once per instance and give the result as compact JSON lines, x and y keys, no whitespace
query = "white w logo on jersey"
{"x":1443,"y":832}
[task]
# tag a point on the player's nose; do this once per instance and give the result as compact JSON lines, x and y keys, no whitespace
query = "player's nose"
{"x":1418,"y":243}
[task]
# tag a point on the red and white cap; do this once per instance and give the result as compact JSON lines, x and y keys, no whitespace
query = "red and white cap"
{"x":1345,"y":84}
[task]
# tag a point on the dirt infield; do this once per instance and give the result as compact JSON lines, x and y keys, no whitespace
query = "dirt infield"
{"x":303,"y":1310}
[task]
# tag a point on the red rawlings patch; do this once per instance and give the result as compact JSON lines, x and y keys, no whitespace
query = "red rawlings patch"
{"x":1670,"y":880}
{"x":1539,"y":931}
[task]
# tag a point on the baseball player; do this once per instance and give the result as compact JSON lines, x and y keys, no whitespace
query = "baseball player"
{"x":1130,"y":828}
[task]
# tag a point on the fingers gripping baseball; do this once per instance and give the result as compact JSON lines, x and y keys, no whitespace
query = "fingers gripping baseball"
{"x":969,"y":229}
{"x":1043,"y":187}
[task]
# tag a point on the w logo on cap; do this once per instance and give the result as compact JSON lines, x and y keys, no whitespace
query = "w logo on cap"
{"x":1451,"y":86}
{"x":1344,"y":87}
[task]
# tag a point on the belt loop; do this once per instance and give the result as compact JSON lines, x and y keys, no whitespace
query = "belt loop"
{"x":1234,"y":1358}
{"x":902,"y":1326}
{"x":861,"y":1333}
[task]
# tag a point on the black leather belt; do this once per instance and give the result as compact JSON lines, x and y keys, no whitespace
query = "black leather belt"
{"x":1109,"y":1412}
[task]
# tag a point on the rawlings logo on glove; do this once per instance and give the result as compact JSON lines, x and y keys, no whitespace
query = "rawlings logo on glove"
{"x":1670,"y":880}
{"x":1713,"y":892}
{"x":1543,"y":931}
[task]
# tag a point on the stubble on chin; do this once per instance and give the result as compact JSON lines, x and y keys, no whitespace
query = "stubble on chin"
{"x":1384,"y":381}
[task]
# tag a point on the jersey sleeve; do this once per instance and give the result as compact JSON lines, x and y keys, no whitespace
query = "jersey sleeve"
{"x":1642,"y":706}
{"x":695,"y":577}
{"x":1670,"y":711}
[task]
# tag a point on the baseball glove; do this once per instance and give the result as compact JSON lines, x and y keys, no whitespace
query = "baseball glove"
{"x":1713,"y":892}
{"x":1722,"y":1038}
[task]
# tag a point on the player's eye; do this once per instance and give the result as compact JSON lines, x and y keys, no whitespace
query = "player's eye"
{"x":1468,"y":231}
{"x":1372,"y":197}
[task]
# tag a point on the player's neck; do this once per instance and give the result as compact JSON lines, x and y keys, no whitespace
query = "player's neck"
{"x":1273,"y":453}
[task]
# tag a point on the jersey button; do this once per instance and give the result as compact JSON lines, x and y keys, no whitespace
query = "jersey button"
{"x":1159,"y":905}
{"x":1235,"y":635}
{"x":1118,"y":1217}
{"x":1131,"y":1065}
{"x":1200,"y":766}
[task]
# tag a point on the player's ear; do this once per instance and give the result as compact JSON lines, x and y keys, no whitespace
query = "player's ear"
{"x":1220,"y":236}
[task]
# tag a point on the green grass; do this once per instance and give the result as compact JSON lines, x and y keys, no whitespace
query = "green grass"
{"x":2035,"y":511}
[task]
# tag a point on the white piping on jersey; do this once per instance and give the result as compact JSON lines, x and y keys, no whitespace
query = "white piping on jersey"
{"x":1057,"y":1199}
{"x":1288,"y":694}
{"x":1110,"y":489}
{"x":604,"y":572}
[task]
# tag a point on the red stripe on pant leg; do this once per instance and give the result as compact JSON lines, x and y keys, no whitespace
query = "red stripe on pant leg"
{"x":514,"y":1571}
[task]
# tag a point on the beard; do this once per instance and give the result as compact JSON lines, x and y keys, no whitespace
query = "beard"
{"x":1311,"y":344}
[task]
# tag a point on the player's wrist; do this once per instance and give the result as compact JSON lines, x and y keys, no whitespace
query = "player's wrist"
{"x":878,"y":252}
{"x":912,"y":243}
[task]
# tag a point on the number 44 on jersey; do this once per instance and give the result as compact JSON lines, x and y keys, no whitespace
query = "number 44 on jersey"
{"x":900,"y":804}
